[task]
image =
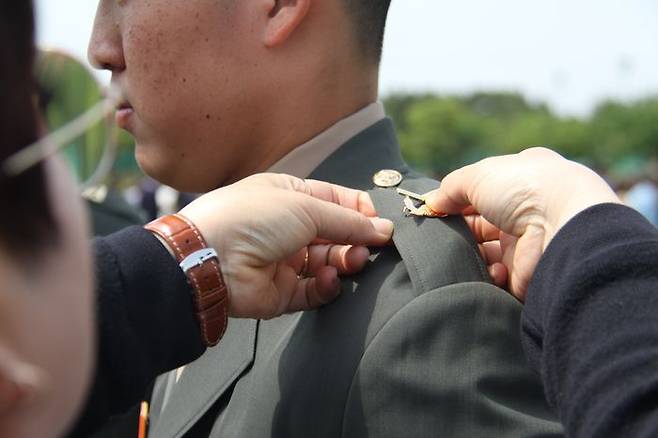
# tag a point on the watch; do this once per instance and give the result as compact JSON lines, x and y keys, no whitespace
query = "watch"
{"x":201,"y":266}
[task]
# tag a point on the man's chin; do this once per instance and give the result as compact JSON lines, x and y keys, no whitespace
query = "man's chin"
{"x":174,"y":173}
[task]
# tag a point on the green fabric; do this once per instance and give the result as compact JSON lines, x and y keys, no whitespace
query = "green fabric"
{"x":418,"y":345}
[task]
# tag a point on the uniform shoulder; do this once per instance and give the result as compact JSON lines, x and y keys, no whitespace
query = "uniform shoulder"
{"x":436,"y":252}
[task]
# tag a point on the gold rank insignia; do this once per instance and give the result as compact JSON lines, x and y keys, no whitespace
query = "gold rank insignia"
{"x":422,"y":210}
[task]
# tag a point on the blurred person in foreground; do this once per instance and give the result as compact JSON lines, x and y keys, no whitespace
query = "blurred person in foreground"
{"x":586,"y":266}
{"x":47,"y":327}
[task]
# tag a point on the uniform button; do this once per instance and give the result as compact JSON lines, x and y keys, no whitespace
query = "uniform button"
{"x":387,"y":178}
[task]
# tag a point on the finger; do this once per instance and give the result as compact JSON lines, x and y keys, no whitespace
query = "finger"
{"x":327,"y":288}
{"x":356,"y":200}
{"x":353,"y":199}
{"x":506,"y":242}
{"x":450,"y":197}
{"x":514,"y":281}
{"x":310,"y":293}
{"x":346,"y":259}
{"x":299,"y":261}
{"x":482,"y":229}
{"x":498,"y":273}
{"x":340,"y":225}
{"x":491,"y":252}
{"x":457,"y":190}
{"x":319,"y":241}
{"x":327,"y":242}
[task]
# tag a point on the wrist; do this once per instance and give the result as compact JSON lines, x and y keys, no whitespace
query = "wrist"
{"x":578,"y":189}
{"x":201,"y":266}
{"x":577,"y":204}
{"x":164,"y":243}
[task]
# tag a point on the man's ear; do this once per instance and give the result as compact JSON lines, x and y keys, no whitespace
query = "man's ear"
{"x":285,"y":16}
{"x":20,"y":382}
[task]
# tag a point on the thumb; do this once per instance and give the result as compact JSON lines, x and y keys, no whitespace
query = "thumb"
{"x":452,"y":196}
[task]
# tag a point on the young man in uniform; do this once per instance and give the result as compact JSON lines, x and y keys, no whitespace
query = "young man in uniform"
{"x":420,"y":344}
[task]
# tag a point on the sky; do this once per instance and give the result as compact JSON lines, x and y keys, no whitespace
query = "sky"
{"x":569,"y":53}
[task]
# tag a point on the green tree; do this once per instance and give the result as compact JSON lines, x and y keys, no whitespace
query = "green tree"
{"x":441,"y":133}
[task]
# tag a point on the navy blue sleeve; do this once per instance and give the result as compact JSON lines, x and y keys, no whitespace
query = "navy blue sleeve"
{"x":590,"y":324}
{"x":145,"y":320}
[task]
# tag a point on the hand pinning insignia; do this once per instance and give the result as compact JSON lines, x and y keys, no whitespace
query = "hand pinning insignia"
{"x":422,"y":210}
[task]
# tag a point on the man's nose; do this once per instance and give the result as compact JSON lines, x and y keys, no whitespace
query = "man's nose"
{"x":105,"y":46}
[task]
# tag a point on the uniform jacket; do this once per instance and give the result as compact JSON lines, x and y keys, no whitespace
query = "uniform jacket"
{"x":418,"y":345}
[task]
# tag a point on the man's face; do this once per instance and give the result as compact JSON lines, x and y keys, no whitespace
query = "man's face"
{"x":190,"y":75}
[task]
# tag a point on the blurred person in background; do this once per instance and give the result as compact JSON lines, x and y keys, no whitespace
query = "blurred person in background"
{"x":47,"y":328}
{"x":643,"y":195}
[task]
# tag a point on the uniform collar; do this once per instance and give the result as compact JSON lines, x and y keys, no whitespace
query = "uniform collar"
{"x":302,"y":160}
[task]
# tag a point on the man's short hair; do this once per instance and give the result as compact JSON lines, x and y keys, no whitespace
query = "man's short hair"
{"x":369,"y":21}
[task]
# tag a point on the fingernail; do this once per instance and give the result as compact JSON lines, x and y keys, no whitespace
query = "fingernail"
{"x":383,"y":226}
{"x":431,"y":200}
{"x":434,"y":213}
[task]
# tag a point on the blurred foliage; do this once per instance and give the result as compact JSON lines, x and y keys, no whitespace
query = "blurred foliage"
{"x":67,"y":89}
{"x":441,"y":133}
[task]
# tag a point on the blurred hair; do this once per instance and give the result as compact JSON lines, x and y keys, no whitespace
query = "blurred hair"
{"x":26,"y":223}
{"x":369,"y":22}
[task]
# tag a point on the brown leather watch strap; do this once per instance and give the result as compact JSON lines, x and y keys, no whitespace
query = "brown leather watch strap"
{"x":203,"y":273}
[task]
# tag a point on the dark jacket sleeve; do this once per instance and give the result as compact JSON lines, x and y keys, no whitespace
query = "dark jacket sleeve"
{"x":145,"y":320}
{"x":590,"y":324}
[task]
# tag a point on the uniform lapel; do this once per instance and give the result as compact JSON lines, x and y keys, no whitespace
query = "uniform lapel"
{"x":204,"y":381}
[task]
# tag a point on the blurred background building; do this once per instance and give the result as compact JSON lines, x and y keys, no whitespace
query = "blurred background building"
{"x":462,"y":80}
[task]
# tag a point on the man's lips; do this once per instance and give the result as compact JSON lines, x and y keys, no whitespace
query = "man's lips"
{"x":123,"y":114}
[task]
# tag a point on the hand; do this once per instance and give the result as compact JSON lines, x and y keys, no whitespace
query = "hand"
{"x":515,"y":204}
{"x":268,"y":228}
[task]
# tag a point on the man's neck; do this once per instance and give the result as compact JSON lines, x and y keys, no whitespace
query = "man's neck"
{"x":294,"y":115}
{"x":313,"y":120}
